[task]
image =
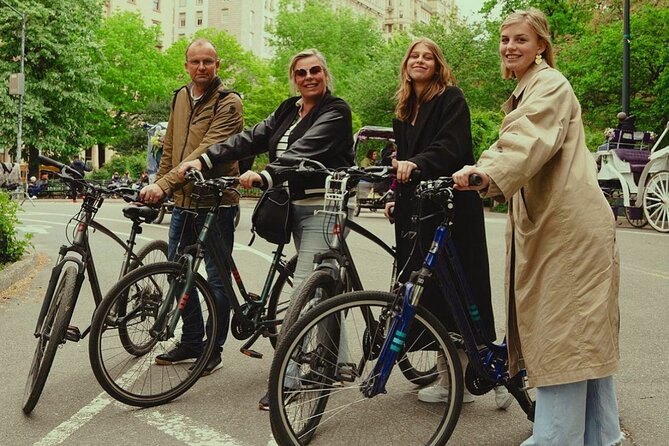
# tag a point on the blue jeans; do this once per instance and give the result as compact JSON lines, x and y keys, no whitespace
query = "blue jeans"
{"x":312,"y":235}
{"x":580,"y":413}
{"x":184,"y":229}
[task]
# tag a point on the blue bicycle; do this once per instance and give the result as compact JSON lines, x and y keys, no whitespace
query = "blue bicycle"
{"x":332,"y":380}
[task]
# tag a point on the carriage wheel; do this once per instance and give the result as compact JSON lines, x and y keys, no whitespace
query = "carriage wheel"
{"x":656,"y":201}
{"x":635,"y":216}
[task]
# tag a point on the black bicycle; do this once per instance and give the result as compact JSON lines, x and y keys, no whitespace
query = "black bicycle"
{"x":153,"y":298}
{"x":331,"y":379}
{"x":75,"y":262}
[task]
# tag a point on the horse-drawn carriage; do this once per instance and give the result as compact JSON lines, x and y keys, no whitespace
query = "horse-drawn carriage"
{"x":635,"y":176}
{"x":380,"y":139}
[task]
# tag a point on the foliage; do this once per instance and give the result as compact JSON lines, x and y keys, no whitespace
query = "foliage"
{"x":135,"y":164}
{"x":485,"y":128}
{"x":131,"y":69}
{"x":61,"y":77}
{"x":348,"y":41}
{"x":11,"y":246}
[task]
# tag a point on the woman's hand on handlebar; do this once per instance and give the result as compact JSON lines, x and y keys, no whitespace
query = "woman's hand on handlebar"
{"x":403,"y":169}
{"x":183,"y":167}
{"x":461,"y":178}
{"x":250,"y":179}
{"x":389,"y":210}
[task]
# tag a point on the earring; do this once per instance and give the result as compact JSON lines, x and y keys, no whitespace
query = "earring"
{"x":537,"y":59}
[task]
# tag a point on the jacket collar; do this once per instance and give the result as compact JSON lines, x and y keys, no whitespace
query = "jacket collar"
{"x":211,"y":89}
{"x":507,"y":107}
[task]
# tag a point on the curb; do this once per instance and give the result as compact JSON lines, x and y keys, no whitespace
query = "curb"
{"x":17,"y":270}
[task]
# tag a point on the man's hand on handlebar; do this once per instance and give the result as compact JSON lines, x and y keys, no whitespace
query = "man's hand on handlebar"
{"x":461,"y":178}
{"x":152,"y":193}
{"x":183,"y":167}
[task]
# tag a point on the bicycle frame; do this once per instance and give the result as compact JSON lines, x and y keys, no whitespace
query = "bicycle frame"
{"x":442,"y":259}
{"x":249,"y":312}
{"x":80,"y":245}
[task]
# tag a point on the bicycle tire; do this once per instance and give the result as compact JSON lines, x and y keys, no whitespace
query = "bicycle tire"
{"x":152,"y":252}
{"x":136,"y":380}
{"x":420,"y":376}
{"x":161,"y":215}
{"x":298,"y":361}
{"x":279,"y":300}
{"x":304,"y":297}
{"x":52,"y":334}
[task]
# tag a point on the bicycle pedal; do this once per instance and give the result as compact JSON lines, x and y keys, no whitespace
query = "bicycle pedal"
{"x":347,"y":373}
{"x":73,"y":334}
{"x":251,"y":353}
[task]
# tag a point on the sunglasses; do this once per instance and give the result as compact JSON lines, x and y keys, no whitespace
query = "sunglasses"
{"x":301,"y":72}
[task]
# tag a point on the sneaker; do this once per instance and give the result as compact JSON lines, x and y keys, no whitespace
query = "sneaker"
{"x":263,"y":404}
{"x":181,"y":353}
{"x":503,"y":398}
{"x":439,"y":394}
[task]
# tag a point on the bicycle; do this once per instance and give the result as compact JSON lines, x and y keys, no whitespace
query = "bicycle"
{"x":346,"y":384}
{"x":335,"y":271}
{"x":156,"y":296}
{"x":75,"y":261}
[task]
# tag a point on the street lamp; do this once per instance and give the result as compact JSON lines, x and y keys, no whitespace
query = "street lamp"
{"x":19,"y":82}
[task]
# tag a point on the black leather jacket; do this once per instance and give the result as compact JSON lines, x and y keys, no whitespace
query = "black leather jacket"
{"x":324,"y":135}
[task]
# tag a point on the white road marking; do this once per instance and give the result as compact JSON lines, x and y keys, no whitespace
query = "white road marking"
{"x":125,"y":234}
{"x":186,"y":429}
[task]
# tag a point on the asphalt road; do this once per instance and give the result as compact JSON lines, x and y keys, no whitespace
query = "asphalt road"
{"x":222,"y":409}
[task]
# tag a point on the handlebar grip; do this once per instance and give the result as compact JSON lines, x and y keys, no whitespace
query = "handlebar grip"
{"x":259,"y":185}
{"x":475,"y":179}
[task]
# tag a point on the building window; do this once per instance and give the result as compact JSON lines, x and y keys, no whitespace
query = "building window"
{"x":198,"y":2}
{"x":131,"y":1}
{"x":182,"y":3}
{"x":389,"y":28}
{"x":199,"y":18}
{"x":225,"y":12}
{"x":156,"y":5}
{"x":182,"y":19}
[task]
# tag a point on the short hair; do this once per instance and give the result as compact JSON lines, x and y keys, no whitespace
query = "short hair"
{"x":370,"y":152}
{"x":539,"y":24}
{"x":303,"y":55}
{"x":201,"y":42}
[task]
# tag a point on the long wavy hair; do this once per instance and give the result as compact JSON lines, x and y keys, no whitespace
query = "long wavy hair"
{"x":407,"y":101}
{"x":539,"y":24}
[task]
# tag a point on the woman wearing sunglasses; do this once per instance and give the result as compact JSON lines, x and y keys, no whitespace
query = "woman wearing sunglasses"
{"x":314,"y":125}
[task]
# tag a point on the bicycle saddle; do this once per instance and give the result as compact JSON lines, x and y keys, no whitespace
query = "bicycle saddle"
{"x":142,"y":214}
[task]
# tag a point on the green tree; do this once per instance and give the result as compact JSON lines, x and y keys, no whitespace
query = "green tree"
{"x":133,"y":76}
{"x":62,"y":81}
{"x":348,"y":41}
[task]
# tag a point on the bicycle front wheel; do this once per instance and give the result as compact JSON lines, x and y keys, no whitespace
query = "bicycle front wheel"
{"x":324,"y":360}
{"x":51,"y":335}
{"x":134,"y":377}
{"x":316,"y":287}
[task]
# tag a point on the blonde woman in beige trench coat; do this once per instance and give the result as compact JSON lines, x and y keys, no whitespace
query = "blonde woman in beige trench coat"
{"x":562,"y":270}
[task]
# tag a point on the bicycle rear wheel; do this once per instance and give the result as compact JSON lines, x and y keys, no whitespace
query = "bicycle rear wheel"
{"x":153,"y":252}
{"x":51,"y":335}
{"x":316,"y":287}
{"x":317,"y":376}
{"x":279,"y":298}
{"x":134,"y":378}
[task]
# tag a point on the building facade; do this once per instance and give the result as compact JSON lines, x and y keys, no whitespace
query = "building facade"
{"x":248,"y":20}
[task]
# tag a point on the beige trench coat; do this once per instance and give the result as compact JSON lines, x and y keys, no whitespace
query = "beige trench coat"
{"x":562,"y":267}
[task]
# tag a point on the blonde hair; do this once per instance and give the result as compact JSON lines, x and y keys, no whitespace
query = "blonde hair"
{"x":539,"y":24}
{"x":407,"y":102}
{"x":303,"y":55}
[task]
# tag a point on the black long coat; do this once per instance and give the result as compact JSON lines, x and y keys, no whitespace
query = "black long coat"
{"x":440,"y":143}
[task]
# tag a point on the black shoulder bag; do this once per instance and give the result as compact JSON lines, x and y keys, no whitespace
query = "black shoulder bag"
{"x":272,"y":217}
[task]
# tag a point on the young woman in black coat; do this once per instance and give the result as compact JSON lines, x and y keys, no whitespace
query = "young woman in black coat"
{"x":432,"y":133}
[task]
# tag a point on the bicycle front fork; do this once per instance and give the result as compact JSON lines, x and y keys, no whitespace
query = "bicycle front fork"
{"x":394,"y":343}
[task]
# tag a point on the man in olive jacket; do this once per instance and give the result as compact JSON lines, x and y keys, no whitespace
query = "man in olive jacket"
{"x":203,"y":113}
